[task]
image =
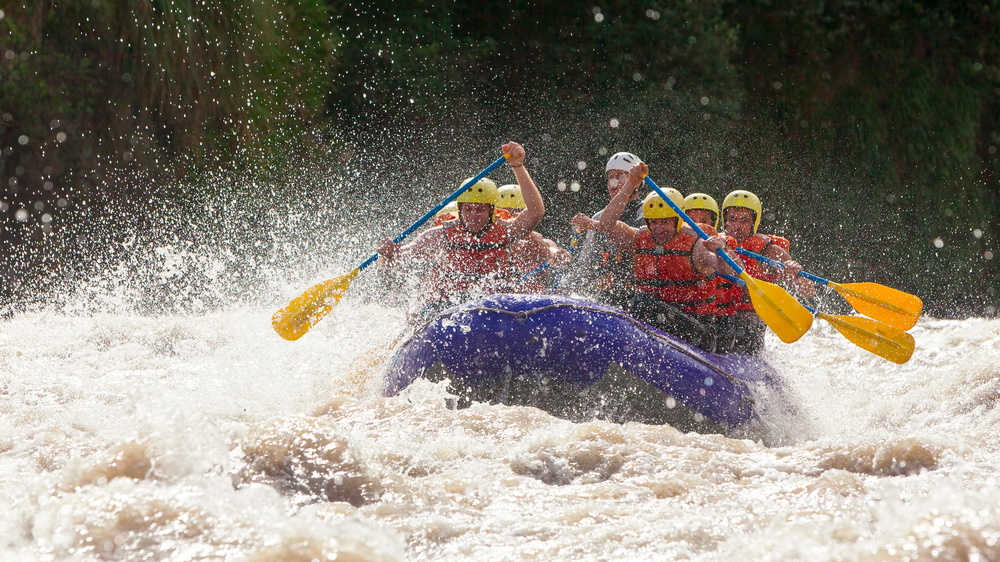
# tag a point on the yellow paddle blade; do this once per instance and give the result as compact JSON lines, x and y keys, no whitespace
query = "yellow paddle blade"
{"x":885,"y":304}
{"x":779,"y":310}
{"x":293,"y":321}
{"x":881,"y":339}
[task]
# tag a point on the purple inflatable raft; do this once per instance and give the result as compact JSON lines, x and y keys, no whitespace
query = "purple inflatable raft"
{"x":581,"y":361}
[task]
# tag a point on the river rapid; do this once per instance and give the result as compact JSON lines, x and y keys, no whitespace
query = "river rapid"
{"x":204,"y":436}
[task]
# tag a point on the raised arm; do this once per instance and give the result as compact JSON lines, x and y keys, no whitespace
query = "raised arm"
{"x":534,"y":208}
{"x":621,"y":234}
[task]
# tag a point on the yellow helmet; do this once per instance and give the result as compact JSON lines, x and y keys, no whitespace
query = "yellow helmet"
{"x":483,"y":191}
{"x":654,"y":207}
{"x":745,"y":199}
{"x":510,"y":197}
{"x":702,"y":201}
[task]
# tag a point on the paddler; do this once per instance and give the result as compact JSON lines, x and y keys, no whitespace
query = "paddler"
{"x":471,"y":256}
{"x":671,"y":263}
{"x":704,"y":210}
{"x":741,"y":214}
{"x":601,"y":272}
{"x":531,"y":251}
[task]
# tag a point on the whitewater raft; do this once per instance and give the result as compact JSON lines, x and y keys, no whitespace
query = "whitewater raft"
{"x":581,"y":361}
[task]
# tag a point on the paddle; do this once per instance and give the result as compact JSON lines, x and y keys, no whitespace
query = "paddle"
{"x":885,"y":304}
{"x":779,"y":310}
{"x":881,"y":339}
{"x":293,"y":321}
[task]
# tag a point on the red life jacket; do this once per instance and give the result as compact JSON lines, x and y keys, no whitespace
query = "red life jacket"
{"x":668,"y":271}
{"x":758,"y":244}
{"x":711,"y":282}
{"x":474,"y":262}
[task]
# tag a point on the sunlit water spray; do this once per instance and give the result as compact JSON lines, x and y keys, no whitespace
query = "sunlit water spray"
{"x":150,"y":412}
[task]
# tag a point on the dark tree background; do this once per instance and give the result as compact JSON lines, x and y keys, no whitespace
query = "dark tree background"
{"x":869,"y":128}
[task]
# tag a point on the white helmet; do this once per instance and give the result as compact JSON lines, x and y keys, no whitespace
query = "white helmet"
{"x":622,"y":161}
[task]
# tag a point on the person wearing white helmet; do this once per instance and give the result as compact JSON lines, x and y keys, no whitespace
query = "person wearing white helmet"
{"x":601,"y":272}
{"x":470,"y":256}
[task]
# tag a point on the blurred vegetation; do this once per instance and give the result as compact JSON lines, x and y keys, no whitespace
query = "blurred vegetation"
{"x":869,"y":128}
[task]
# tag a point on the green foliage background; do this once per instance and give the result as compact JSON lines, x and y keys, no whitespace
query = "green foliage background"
{"x":869,"y":128}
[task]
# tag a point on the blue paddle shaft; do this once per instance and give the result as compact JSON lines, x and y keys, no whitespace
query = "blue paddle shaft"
{"x":736,"y":280}
{"x":694,"y":226}
{"x":402,"y":236}
{"x":776,"y":263}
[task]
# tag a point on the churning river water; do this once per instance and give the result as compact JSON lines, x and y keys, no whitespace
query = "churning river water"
{"x":207,"y":437}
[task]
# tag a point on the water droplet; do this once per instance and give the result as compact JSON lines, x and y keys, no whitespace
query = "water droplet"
{"x":733,"y":152}
{"x":575,"y":186}
{"x":126,"y":77}
{"x":977,"y":67}
{"x":602,"y":151}
{"x":61,"y":136}
{"x":598,"y":17}
{"x":692,"y":40}
{"x":613,"y":122}
{"x":977,"y":233}
{"x":777,"y":85}
{"x":581,"y":165}
{"x":9,"y":55}
{"x":704,"y":100}
{"x":48,"y":186}
{"x":637,"y":77}
{"x":988,"y":255}
{"x":938,"y":243}
{"x":22,"y":140}
{"x":561,"y":186}
{"x":46,"y":218}
{"x":21,"y":215}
